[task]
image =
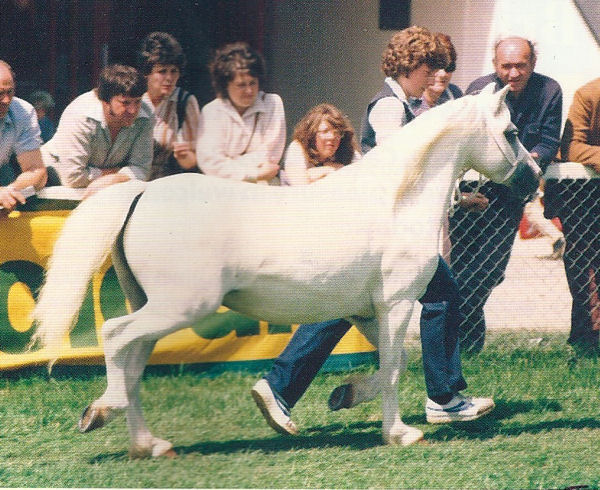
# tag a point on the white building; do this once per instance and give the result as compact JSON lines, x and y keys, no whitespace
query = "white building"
{"x":329,"y":50}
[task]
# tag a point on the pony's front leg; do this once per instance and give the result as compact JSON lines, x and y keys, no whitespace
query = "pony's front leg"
{"x":358,"y":389}
{"x":392,"y":327}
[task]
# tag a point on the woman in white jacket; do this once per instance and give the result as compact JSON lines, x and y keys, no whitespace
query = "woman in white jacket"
{"x":242,"y":134}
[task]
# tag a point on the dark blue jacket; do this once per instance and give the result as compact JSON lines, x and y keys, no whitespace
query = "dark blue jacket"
{"x":537,"y":113}
{"x":367,"y":138}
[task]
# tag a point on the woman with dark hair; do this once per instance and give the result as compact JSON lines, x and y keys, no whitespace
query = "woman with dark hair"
{"x":243,"y":134}
{"x":176,"y":112}
{"x":323,"y":142}
{"x":442,"y":90}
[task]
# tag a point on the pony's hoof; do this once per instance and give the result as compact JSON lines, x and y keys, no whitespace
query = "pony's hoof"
{"x":93,"y":418}
{"x":159,"y":448}
{"x":341,"y":397}
{"x":170,"y":454}
{"x":405,"y":438}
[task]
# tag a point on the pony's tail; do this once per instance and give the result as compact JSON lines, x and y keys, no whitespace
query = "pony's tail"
{"x":82,"y":247}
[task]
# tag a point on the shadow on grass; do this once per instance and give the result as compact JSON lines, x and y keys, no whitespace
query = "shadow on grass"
{"x":490,"y":426}
{"x":354,"y":438}
{"x":359,"y":436}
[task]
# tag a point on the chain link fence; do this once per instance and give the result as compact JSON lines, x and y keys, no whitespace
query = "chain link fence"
{"x":511,"y":269}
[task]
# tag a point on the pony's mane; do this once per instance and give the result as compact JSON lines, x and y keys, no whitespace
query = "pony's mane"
{"x":420,"y":134}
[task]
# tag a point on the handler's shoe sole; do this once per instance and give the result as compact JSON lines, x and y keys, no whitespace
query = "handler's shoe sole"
{"x":273,"y":412}
{"x":459,"y":409}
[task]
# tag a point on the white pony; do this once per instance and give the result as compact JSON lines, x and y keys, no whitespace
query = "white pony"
{"x":361,"y":244}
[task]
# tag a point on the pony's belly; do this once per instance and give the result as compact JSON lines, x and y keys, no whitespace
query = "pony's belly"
{"x":297,"y":303}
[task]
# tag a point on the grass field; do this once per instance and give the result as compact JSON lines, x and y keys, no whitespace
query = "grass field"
{"x":544,"y":432}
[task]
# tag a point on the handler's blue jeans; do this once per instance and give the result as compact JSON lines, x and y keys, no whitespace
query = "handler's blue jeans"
{"x":311,"y":344}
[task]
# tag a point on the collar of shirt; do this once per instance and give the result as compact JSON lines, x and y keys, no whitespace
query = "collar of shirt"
{"x":413,"y":103}
{"x":258,"y":106}
{"x":152,"y":107}
{"x":397,"y":89}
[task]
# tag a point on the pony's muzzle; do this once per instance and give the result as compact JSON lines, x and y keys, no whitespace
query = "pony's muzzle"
{"x":524,"y":179}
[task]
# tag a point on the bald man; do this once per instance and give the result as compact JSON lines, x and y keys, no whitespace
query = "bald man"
{"x":482,"y":240}
{"x":20,"y":158}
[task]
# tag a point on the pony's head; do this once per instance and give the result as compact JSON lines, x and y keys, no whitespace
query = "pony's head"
{"x":499,"y":155}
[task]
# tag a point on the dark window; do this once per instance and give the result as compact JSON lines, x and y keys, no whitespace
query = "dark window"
{"x":394,"y":14}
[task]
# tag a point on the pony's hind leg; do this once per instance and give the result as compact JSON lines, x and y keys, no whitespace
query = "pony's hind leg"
{"x":143,"y":443}
{"x":103,"y":410}
{"x":120,"y":337}
{"x":115,"y":399}
{"x":128,"y":344}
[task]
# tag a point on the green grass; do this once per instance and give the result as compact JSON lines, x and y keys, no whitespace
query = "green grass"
{"x":544,"y":432}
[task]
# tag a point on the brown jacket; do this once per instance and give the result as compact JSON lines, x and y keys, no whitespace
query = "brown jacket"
{"x":581,"y":136}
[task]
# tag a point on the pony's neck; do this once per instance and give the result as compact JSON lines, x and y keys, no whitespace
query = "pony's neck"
{"x":432,"y":192}
{"x":426,"y":187}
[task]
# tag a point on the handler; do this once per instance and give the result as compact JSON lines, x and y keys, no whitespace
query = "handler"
{"x":20,"y":158}
{"x":410,"y":62}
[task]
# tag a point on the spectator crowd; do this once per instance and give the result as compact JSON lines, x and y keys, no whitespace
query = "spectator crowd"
{"x":139,"y":124}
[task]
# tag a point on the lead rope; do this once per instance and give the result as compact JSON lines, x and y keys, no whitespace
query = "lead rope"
{"x":456,"y":196}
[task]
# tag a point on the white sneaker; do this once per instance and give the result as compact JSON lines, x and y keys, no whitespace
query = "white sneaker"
{"x":459,"y":409}
{"x":276,"y":415}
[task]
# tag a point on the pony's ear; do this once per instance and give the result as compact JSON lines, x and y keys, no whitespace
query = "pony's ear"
{"x":488,"y":89}
{"x":499,"y":98}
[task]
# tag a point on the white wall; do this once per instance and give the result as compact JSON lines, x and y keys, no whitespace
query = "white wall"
{"x":324,"y":51}
{"x":567,"y":50}
{"x":329,"y":50}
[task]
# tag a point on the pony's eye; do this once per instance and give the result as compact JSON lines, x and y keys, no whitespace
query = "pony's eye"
{"x":511,"y":135}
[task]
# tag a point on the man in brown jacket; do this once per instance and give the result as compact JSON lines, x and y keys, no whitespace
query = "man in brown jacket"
{"x":576,"y":201}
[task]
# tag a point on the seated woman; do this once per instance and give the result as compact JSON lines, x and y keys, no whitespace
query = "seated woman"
{"x":323,"y":142}
{"x":176,"y":112}
{"x":243,"y":129}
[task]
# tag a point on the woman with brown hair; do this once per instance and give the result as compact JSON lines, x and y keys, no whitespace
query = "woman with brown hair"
{"x":176,"y":112}
{"x":323,"y":143}
{"x":243,"y":133}
{"x":442,"y":90}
